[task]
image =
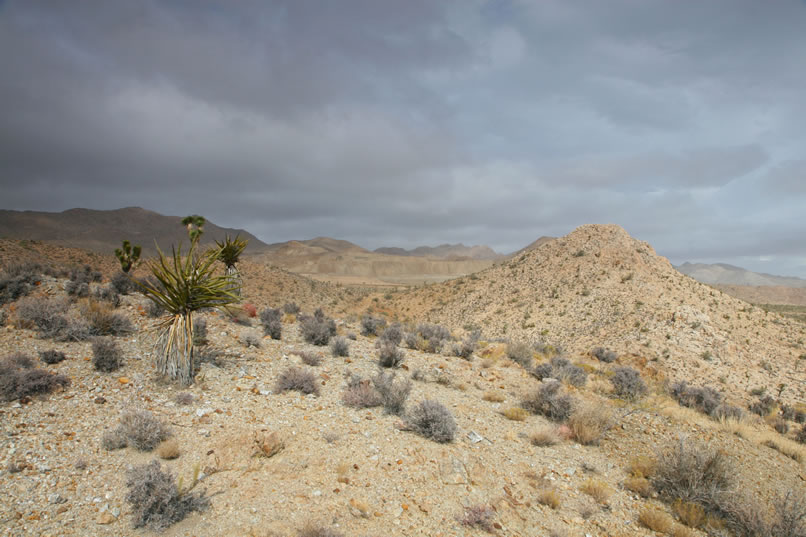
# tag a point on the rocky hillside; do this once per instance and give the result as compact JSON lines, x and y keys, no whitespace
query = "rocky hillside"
{"x":598,"y":286}
{"x":103,"y":231}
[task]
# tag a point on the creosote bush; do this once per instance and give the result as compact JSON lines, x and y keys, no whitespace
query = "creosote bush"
{"x":549,"y":400}
{"x":139,"y":429}
{"x":52,"y":356}
{"x":272,"y":321}
{"x":19,"y":378}
{"x":106,"y":355}
{"x":432,"y":420}
{"x":156,"y":501}
{"x":627,"y":383}
{"x":340,"y":347}
{"x":297,"y":379}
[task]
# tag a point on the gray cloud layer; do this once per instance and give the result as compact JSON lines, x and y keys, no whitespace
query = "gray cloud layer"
{"x":419,"y":122}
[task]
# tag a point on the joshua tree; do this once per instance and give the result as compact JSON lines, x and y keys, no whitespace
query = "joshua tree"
{"x":229,"y":251}
{"x":128,"y":256}
{"x":185,"y":284}
{"x":195,"y":225}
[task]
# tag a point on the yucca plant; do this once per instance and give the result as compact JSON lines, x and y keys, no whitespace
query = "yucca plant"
{"x":229,"y":252}
{"x":183,"y":286}
{"x":128,"y":256}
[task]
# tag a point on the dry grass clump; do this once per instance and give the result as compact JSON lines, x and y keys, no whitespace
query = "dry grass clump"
{"x":681,"y":531}
{"x":515,"y":413}
{"x":655,"y":519}
{"x":589,"y":422}
{"x":639,"y":485}
{"x":297,"y":379}
{"x":549,"y":498}
{"x":168,"y":449}
{"x":641,"y":466}
{"x":597,"y":489}
{"x":545,"y":437}
{"x":689,"y":513}
{"x":493,"y":396}
{"x":478,"y":516}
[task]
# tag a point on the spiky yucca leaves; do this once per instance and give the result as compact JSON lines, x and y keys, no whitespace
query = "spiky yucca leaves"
{"x":195,"y":226}
{"x":128,"y":256}
{"x":185,"y":285}
{"x":230,"y":251}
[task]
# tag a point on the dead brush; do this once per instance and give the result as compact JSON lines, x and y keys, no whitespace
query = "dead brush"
{"x":589,"y":423}
{"x":655,"y":519}
{"x":267,"y":445}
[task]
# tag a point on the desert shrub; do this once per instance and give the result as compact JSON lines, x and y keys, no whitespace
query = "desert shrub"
{"x":85,"y":274}
{"x":154,"y":310}
{"x":200,"y":331}
{"x":340,"y":347}
{"x":478,"y":516}
{"x":123,"y":284}
{"x":627,"y":383}
{"x":18,"y":280}
{"x":3,"y":317}
{"x":46,"y":315}
{"x":360,"y":393}
{"x":727,"y":412}
{"x":549,"y":498}
{"x":156,"y":501}
{"x":107,"y":294}
{"x":371,"y":325}
{"x":184,"y":398}
{"x":655,"y":519}
{"x":393,"y":392}
{"x":51,"y":356}
{"x":410,"y":339}
{"x":764,"y":406}
{"x":515,"y":413}
{"x":432,"y":420}
{"x":800,"y":436}
{"x":704,"y":399}
{"x":169,"y":449}
{"x":639,"y":485}
{"x":693,"y":472}
{"x":310,"y":358}
{"x":290,"y":308}
{"x":105,"y":322}
{"x":597,"y":489}
{"x":318,"y":329}
{"x":689,"y":513}
{"x":106,"y":355}
{"x":77,"y":289}
{"x":789,"y":515}
{"x":780,"y":425}
{"x":428,"y":338}
{"x":316,"y":530}
{"x":604,"y":355}
{"x":389,"y":355}
{"x":544,"y":437}
{"x":272,"y":321}
{"x":520,"y":353}
{"x":393,"y":333}
{"x":139,"y":429}
{"x":549,"y":400}
{"x":467,"y":347}
{"x":18,"y":378}
{"x":297,"y":379}
{"x":561,"y":369}
{"x":250,"y":339}
{"x":788,"y":413}
{"x":588,"y":423}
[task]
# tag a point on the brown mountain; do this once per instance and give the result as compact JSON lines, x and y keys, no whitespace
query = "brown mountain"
{"x":103,"y":231}
{"x":447,"y":251}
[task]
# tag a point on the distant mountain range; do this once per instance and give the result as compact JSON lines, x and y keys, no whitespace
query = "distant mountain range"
{"x":724,"y":274}
{"x":444,"y":251}
{"x":103,"y":231}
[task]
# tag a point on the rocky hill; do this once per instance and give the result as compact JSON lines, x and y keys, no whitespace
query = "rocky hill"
{"x":598,"y":286}
{"x":103,"y":231}
{"x":724,"y":274}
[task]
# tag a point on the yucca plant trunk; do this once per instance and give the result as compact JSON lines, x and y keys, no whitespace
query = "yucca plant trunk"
{"x":233,"y":272}
{"x":175,"y":357}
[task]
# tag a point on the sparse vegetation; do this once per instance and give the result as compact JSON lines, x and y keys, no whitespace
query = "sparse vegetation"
{"x":432,"y":420}
{"x":545,"y":437}
{"x":561,"y":369}
{"x":589,"y":422}
{"x":515,"y":413}
{"x":389,"y":355}
{"x":297,"y":379}
{"x":371,"y":325}
{"x":655,"y":519}
{"x":19,"y":378}
{"x":393,"y":392}
{"x":604,"y":355}
{"x":478,"y":516}
{"x":317,"y":329}
{"x":549,"y":400}
{"x":520,"y":353}
{"x":155,"y":499}
{"x":597,"y":489}
{"x":340,"y":347}
{"x":627,"y":383}
{"x":106,"y":355}
{"x":360,"y":393}
{"x":291,"y":308}
{"x":52,"y":356}
{"x":393,"y":333}
{"x":139,"y":429}
{"x":272,"y":321}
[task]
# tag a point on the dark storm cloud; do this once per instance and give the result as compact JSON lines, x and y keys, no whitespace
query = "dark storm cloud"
{"x":406,"y":123}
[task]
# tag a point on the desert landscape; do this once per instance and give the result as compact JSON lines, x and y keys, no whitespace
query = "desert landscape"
{"x":580,"y":387}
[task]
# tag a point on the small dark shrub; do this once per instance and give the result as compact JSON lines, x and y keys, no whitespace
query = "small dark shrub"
{"x":310,"y":358}
{"x":318,"y":329}
{"x":371,"y":325}
{"x":106,"y":355}
{"x":520,"y":353}
{"x":77,"y":289}
{"x":725,"y":411}
{"x":467,"y":347}
{"x":315,"y":530}
{"x":18,"y":378}
{"x":780,"y":425}
{"x":561,"y":369}
{"x":800,"y":436}
{"x":627,"y":383}
{"x":360,"y":393}
{"x":199,"y":331}
{"x":389,"y":355}
{"x":154,"y":310}
{"x":297,"y":379}
{"x":551,"y":401}
{"x":184,"y":398}
{"x":156,"y":501}
{"x":692,"y":472}
{"x":432,"y":420}
{"x":393,"y":333}
{"x":291,"y":308}
{"x":543,"y":371}
{"x":123,"y":284}
{"x":393,"y":393}
{"x":104,"y":322}
{"x":108,"y":295}
{"x":478,"y":516}
{"x":43,"y":314}
{"x":340,"y":347}
{"x":139,"y":429}
{"x":764,"y":406}
{"x":272,"y":321}
{"x":604,"y":355}
{"x":85,"y":274}
{"x":18,"y":280}
{"x":789,"y":518}
{"x":704,"y":399}
{"x":792,"y":414}
{"x":411,"y":339}
{"x":3,"y":317}
{"x":52,"y":356}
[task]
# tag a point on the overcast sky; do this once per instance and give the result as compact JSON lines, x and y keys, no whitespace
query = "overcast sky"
{"x":419,"y":122}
